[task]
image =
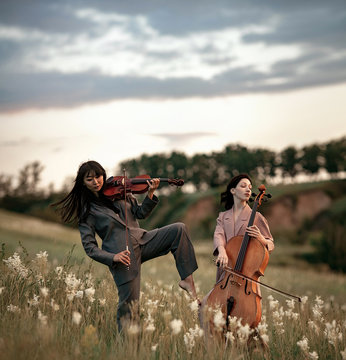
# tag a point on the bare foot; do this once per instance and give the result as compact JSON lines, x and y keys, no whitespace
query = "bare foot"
{"x":189,"y":286}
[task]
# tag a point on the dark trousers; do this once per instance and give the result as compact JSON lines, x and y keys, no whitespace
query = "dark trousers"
{"x":171,"y":238}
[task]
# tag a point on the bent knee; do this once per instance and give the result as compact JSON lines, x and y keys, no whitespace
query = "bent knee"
{"x":180,"y":226}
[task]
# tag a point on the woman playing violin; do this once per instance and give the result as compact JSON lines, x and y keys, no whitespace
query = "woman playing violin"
{"x":125,"y":246}
{"x":234,"y":220}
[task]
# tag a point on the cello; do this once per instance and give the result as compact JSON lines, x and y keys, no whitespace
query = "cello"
{"x":237,"y":293}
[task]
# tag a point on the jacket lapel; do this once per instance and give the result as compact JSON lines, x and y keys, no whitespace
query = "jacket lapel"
{"x":97,"y":208}
{"x":229,"y":223}
{"x":242,"y":221}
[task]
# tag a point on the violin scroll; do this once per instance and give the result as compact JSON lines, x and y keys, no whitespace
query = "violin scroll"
{"x":176,"y":182}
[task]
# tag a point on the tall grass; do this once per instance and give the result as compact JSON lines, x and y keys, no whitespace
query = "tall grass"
{"x":65,"y":311}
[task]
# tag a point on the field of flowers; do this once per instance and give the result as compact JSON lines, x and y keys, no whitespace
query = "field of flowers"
{"x":67,"y":311}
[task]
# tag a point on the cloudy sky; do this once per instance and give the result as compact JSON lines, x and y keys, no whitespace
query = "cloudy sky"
{"x":109,"y":80}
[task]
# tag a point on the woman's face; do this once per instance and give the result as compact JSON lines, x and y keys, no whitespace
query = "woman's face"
{"x":93,"y":182}
{"x":242,"y":191}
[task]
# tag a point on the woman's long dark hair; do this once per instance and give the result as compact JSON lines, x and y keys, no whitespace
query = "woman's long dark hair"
{"x":227,"y":197}
{"x":76,"y":204}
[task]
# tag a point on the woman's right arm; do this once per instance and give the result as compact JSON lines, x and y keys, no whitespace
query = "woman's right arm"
{"x":220,"y":242}
{"x":87,"y":232}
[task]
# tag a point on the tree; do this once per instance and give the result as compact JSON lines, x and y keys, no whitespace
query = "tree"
{"x":335,"y":155}
{"x":29,"y":178}
{"x":311,"y":159}
{"x":289,"y":161}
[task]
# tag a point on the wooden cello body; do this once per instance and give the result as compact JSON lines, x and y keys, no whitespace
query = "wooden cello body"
{"x":235,"y":294}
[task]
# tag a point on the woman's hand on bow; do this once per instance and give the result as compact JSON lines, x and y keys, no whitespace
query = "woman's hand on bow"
{"x":123,"y":257}
{"x":222,"y":258}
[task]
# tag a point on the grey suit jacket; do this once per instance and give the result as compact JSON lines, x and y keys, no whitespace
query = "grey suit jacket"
{"x":111,"y":228}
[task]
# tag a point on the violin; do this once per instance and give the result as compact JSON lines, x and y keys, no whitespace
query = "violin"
{"x":237,"y":293}
{"x":116,"y":187}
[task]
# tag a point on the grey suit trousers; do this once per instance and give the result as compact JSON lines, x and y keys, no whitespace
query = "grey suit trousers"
{"x":171,"y":238}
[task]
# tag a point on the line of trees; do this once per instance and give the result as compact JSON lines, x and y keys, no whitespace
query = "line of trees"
{"x":201,"y":170}
{"x":213,"y":170}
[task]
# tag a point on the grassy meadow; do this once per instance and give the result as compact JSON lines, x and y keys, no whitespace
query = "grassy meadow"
{"x":56,"y":303}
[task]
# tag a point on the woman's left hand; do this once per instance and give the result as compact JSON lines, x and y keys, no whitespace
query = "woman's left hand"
{"x":153,"y":185}
{"x":254,"y":231}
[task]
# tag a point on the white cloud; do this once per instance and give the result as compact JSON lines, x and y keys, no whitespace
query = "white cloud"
{"x":120,"y":45}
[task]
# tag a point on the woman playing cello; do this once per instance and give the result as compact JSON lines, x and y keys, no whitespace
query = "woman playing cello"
{"x":231,"y":225}
{"x":234,"y":220}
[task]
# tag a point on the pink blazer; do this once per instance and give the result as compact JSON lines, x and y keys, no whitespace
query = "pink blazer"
{"x":226,"y":229}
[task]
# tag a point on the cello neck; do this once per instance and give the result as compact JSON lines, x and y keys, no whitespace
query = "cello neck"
{"x":241,"y":255}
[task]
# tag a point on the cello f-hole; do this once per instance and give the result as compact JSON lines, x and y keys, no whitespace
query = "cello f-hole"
{"x":223,"y":287}
{"x":245,"y":289}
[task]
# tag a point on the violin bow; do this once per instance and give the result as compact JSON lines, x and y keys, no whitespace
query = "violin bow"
{"x":125,"y":208}
{"x":230,"y":270}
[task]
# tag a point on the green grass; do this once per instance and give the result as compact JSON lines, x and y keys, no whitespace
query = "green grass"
{"x":29,"y":335}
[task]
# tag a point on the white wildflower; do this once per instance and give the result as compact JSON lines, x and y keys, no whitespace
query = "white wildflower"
{"x":304,"y":300}
{"x":277,"y":319}
{"x":333,"y":332}
{"x":79,"y":294}
{"x":42,"y":318}
{"x":89,"y":293}
{"x":219,"y":320}
{"x":190,"y":336}
{"x":42,"y":255}
{"x":55,"y":306}
{"x":233,"y":322}
{"x":34,"y":301}
{"x":262,"y":331}
{"x":133,"y":329}
{"x":290,"y":304}
{"x":313,"y":355}
{"x":44,"y":291}
{"x":154,"y":347}
{"x":102,"y":302}
{"x":303,"y":344}
{"x":176,"y":325}
{"x":59,"y":271}
{"x":89,"y":280}
{"x":13,"y":308}
{"x":14,"y":263}
{"x":42,"y":261}
{"x":76,"y":317}
{"x":317,"y":309}
{"x":194,"y":305}
{"x":243,"y":333}
{"x":229,"y":337}
{"x":313,"y":326}
{"x":273,"y":304}
{"x":72,"y":282}
{"x":150,"y":327}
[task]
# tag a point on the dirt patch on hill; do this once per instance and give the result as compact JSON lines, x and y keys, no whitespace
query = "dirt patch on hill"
{"x":198,"y":212}
{"x":289,"y":212}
